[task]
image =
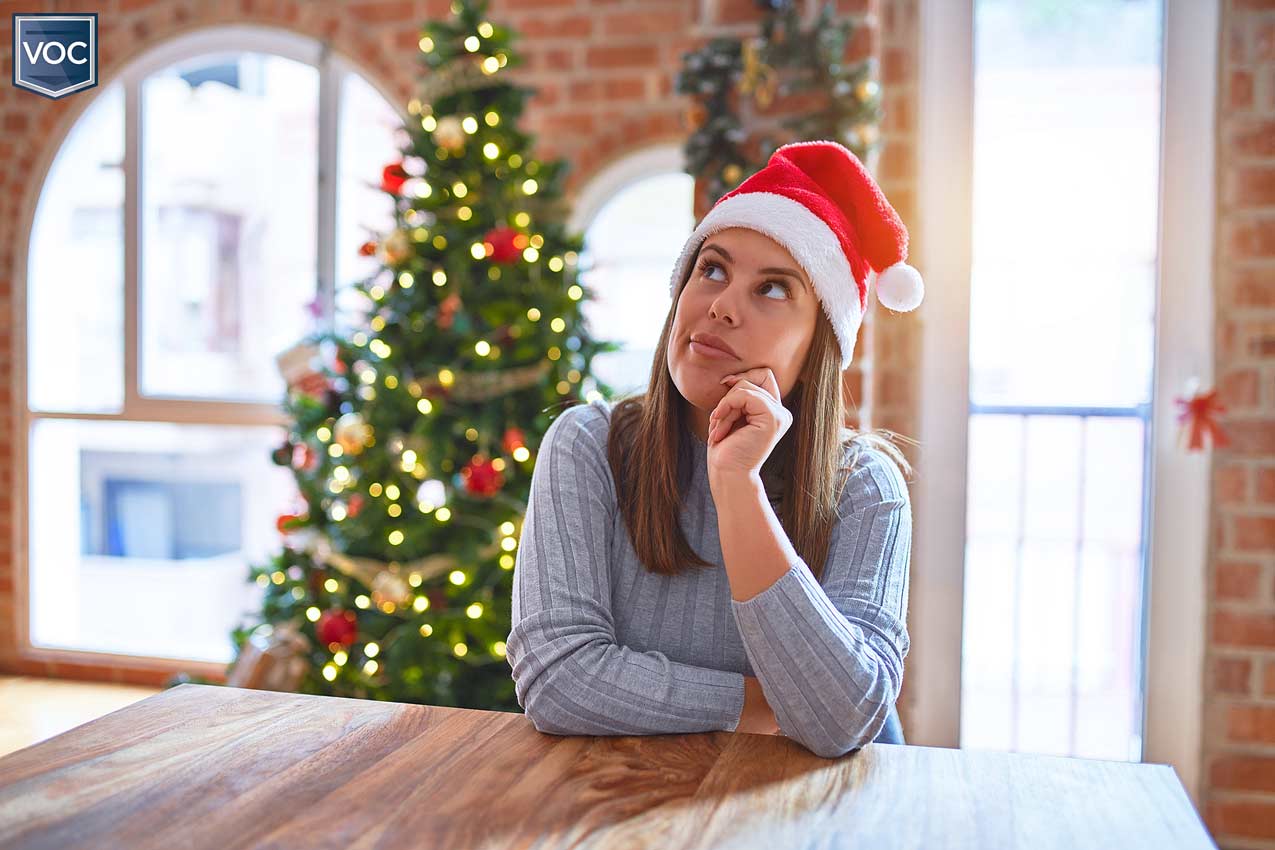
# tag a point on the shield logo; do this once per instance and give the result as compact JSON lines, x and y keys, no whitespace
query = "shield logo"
{"x":53,"y":54}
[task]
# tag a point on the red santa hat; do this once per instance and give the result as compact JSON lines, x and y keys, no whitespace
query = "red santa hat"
{"x":819,"y":201}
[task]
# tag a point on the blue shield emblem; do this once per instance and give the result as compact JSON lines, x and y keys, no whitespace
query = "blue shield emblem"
{"x":55,"y":55}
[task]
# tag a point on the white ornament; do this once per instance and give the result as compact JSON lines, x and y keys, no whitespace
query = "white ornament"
{"x":432,"y":493}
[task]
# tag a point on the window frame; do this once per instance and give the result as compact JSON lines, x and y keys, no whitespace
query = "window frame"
{"x":1175,"y":595}
{"x":136,"y":407}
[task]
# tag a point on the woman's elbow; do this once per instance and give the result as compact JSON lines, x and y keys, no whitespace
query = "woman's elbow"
{"x":835,"y":743}
{"x":547,"y":722}
{"x":836,"y":746}
{"x":547,"y":714}
{"x":833,"y":752}
{"x":537,"y":709}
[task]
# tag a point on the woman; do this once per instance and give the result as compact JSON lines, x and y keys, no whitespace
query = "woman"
{"x":719,"y":553}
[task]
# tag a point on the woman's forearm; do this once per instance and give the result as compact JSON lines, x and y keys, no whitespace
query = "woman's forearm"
{"x":755,"y":548}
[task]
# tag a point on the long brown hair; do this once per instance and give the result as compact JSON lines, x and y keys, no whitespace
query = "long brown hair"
{"x":649,"y":452}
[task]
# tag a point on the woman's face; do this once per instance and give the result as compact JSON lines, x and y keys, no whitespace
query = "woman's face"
{"x":748,"y":290}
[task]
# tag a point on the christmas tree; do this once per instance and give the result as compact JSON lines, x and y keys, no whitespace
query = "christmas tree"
{"x":413,"y":437}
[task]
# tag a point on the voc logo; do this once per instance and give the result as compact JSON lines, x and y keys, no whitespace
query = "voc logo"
{"x":55,"y":55}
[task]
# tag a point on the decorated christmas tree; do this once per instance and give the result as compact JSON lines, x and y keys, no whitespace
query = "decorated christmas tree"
{"x":414,"y":436}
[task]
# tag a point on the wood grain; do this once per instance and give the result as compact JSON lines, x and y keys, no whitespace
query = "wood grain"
{"x":201,"y":766}
{"x":36,"y":708}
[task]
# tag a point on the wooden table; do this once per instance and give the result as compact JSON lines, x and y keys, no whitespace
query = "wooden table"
{"x":204,"y":766}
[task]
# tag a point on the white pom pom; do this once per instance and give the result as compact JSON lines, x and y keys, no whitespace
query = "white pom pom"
{"x":899,"y":287}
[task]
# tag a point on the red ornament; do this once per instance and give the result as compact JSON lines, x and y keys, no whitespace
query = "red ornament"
{"x":337,"y":626}
{"x":481,"y":478}
{"x":1197,"y":418}
{"x":314,"y":385}
{"x":288,"y":522}
{"x":506,"y":244}
{"x":354,"y":505}
{"x":447,"y":310}
{"x":367,"y":249}
{"x":514,"y":439}
{"x":393,"y":177}
{"x":304,"y":458}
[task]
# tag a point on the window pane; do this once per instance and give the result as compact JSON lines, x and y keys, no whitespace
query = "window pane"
{"x":75,"y":275}
{"x":141,"y":533}
{"x":629,"y":251}
{"x":229,"y":165}
{"x":367,"y":142}
{"x":1054,"y":560}
{"x":1065,"y":202}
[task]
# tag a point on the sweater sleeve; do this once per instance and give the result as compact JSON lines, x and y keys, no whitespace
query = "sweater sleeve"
{"x":829,"y":653}
{"x":570,"y":675}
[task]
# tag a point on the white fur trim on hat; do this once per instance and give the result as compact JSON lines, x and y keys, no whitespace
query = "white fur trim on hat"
{"x":806,"y":236}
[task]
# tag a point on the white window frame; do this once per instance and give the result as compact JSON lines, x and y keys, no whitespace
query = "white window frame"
{"x":618,"y":175}
{"x":1176,"y":595}
{"x":236,"y":38}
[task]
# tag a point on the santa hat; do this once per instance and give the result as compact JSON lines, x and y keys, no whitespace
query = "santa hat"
{"x":819,"y":201}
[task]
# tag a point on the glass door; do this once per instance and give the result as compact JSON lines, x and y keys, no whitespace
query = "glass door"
{"x":1065,"y":188}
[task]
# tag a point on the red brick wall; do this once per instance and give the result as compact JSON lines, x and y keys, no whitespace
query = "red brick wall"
{"x":605,"y":72}
{"x":1239,"y":734}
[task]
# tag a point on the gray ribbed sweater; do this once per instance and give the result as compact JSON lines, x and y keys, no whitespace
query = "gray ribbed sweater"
{"x":601,"y":646}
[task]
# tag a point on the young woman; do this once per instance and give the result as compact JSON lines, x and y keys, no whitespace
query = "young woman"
{"x":720,"y":553}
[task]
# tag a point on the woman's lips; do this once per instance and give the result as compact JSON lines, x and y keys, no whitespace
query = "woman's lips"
{"x":710,"y":352}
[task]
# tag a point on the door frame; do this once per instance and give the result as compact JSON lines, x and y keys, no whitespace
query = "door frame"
{"x":1175,"y":589}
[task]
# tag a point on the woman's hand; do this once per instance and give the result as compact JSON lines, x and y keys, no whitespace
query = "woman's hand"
{"x":752,"y":403}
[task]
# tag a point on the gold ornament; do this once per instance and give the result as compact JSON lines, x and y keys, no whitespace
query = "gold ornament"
{"x":732,"y":173}
{"x":695,"y":116}
{"x":867,"y":133}
{"x":449,"y":133}
{"x":759,"y":78}
{"x":352,"y":433}
{"x":395,"y":249}
{"x":867,"y":89}
{"x":389,"y":586}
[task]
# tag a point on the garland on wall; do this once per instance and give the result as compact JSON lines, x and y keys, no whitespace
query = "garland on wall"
{"x":729,"y":76}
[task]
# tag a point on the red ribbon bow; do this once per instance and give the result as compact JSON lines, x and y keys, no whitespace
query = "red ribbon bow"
{"x":1198,"y":416}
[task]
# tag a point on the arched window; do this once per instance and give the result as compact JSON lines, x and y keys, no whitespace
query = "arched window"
{"x":202,"y":214}
{"x":636,"y":216}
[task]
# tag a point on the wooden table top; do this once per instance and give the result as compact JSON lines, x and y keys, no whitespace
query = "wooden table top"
{"x":201,"y":766}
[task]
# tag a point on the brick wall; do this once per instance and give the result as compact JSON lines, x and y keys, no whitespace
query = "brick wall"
{"x":604,"y":70}
{"x":1239,"y":734}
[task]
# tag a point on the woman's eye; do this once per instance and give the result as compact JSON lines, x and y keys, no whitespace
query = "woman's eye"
{"x":777,"y":285}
